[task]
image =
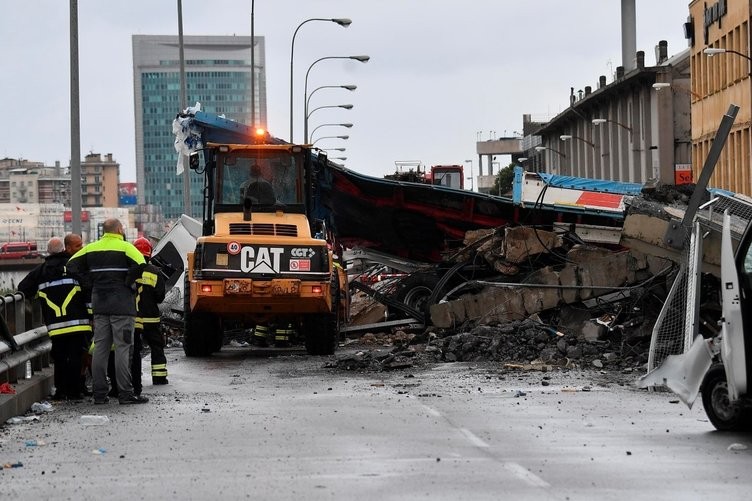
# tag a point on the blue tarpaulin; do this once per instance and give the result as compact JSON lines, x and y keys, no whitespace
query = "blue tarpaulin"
{"x":600,"y":185}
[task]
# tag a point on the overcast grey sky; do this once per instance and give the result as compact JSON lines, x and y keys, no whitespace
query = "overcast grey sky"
{"x":440,"y":71}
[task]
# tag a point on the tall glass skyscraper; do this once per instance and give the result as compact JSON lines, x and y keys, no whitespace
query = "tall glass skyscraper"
{"x":218,"y":75}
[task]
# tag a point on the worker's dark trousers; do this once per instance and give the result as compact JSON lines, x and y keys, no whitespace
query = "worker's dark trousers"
{"x":151,"y":335}
{"x":66,"y":355}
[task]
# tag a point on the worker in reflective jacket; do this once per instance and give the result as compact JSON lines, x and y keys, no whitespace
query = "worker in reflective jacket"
{"x":65,"y":315}
{"x":150,"y":291}
{"x":111,"y":265}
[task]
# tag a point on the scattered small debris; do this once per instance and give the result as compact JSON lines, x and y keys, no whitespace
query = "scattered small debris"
{"x":40,"y":407}
{"x":35,"y":443}
{"x":21,"y":419}
{"x":93,"y":420}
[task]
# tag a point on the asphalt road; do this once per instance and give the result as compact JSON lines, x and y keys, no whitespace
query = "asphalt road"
{"x":245,"y":425}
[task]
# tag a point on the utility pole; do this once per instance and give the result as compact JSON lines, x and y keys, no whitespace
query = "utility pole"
{"x":253,"y":69}
{"x":183,"y":106}
{"x":75,"y":167}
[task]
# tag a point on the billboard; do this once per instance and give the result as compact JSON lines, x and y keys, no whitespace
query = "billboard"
{"x":127,"y":194}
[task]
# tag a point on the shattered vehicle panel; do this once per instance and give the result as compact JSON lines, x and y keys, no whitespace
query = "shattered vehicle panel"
{"x":717,"y":367}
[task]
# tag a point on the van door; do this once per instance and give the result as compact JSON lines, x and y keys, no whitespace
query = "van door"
{"x":736,"y":283}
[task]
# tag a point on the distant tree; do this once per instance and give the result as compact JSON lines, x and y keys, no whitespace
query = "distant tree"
{"x":504,"y":180}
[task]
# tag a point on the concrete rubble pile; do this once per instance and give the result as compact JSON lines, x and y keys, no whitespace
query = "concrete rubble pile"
{"x":555,"y":302}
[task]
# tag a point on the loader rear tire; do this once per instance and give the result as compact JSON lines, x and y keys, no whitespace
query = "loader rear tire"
{"x":200,"y":330}
{"x":322,"y":329}
{"x":321,"y":334}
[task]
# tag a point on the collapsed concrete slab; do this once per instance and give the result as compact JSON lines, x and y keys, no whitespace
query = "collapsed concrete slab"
{"x":590,"y":273}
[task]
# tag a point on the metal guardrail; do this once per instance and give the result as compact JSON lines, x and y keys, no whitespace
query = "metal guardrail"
{"x":22,"y":352}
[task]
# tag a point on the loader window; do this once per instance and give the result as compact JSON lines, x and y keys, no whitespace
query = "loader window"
{"x":267,"y":177}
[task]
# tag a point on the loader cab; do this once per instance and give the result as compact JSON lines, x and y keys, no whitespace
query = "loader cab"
{"x":254,"y":178}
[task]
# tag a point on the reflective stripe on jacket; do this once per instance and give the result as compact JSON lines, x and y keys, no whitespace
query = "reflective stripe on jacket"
{"x":60,"y":296}
{"x":150,"y":291}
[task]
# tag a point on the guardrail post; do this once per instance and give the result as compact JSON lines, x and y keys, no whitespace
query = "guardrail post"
{"x":19,"y":308}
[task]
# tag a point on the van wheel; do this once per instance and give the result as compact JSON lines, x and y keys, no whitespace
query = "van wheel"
{"x":723,"y":414}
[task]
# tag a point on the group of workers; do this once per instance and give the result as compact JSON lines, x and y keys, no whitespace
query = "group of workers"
{"x":100,"y":299}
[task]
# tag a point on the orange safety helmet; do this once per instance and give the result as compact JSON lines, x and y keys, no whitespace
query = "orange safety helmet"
{"x":143,"y":245}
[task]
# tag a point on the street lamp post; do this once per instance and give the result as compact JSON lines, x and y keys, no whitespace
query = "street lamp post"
{"x":349,"y":87}
{"x":659,"y":86}
{"x":347,"y":125}
{"x":331,"y":137}
{"x":544,"y":148}
{"x":362,"y":59}
{"x":305,"y":122}
{"x":712,"y":51}
{"x":548,"y":148}
{"x":567,"y":137}
{"x":600,"y":121}
{"x":184,"y":103}
{"x":472,"y":183}
{"x":344,"y":22}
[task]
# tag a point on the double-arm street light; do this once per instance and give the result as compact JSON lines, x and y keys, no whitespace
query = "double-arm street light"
{"x":362,"y":59}
{"x":347,"y":125}
{"x":344,"y":22}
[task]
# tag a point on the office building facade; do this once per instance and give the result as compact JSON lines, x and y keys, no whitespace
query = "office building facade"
{"x":217,"y":75}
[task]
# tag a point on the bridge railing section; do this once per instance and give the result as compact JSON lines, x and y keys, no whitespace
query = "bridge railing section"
{"x":24,"y":343}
